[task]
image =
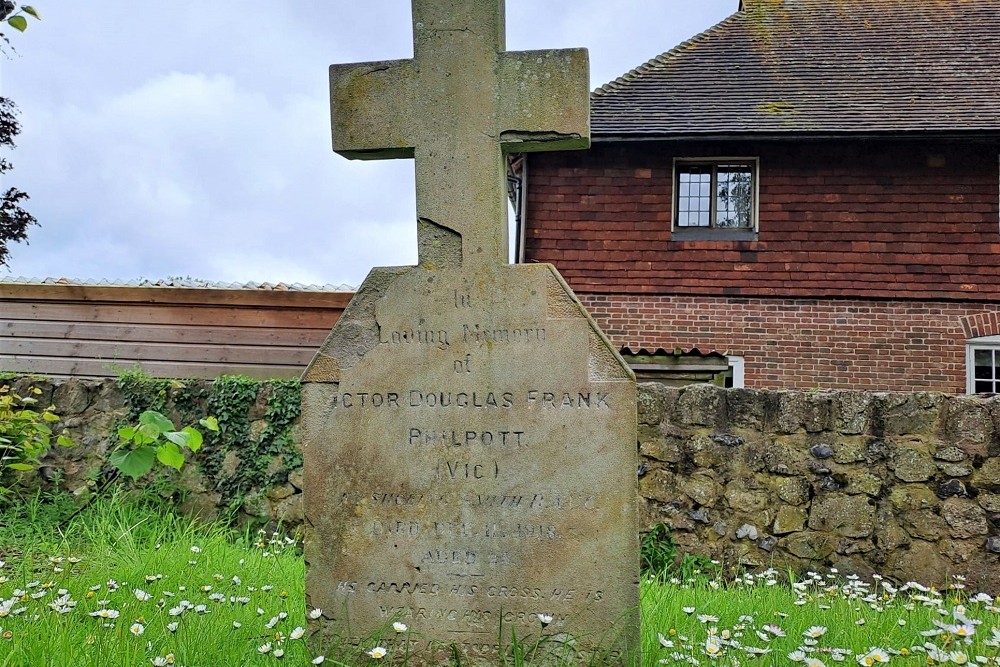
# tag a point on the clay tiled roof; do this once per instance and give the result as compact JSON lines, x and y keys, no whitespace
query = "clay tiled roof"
{"x":819,"y":66}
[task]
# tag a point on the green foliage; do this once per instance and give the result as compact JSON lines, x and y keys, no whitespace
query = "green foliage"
{"x":25,"y":432}
{"x":658,"y":551}
{"x":263,"y":457}
{"x":155,"y":438}
{"x":659,"y":557}
{"x":14,"y":220}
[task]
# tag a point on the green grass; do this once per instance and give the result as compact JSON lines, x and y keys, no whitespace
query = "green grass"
{"x":246,"y":580}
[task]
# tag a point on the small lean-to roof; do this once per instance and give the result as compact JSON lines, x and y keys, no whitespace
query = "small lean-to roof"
{"x":818,"y":67}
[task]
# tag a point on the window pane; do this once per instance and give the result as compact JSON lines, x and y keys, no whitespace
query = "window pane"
{"x":734,"y":196}
{"x":984,"y":388}
{"x":693,"y":206}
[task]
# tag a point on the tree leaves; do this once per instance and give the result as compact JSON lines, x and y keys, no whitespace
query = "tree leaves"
{"x":18,"y":23}
{"x":133,"y":462}
{"x":155,"y":438}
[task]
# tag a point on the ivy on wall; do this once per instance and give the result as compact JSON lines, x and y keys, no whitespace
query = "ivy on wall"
{"x":253,"y":450}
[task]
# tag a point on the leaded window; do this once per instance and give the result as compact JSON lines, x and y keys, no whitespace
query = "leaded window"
{"x":715,"y":194}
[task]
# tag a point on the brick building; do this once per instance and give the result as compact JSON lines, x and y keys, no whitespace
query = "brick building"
{"x":809,"y":187}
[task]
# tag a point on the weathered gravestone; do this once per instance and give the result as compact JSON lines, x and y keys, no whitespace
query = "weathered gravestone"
{"x":469,"y":433}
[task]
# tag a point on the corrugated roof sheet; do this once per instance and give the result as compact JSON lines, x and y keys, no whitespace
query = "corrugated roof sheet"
{"x":187,"y":283}
{"x":823,"y":66}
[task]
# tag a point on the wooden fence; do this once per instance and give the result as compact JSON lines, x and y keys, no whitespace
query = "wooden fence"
{"x":74,"y":330}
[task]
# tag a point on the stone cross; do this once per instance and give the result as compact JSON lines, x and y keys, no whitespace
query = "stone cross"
{"x":456,"y":108}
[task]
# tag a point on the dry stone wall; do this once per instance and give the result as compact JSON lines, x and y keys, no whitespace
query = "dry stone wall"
{"x":903,"y":484}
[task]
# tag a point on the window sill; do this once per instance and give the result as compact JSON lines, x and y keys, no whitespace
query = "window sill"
{"x":709,"y":234}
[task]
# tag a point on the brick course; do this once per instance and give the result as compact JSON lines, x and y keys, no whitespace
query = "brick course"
{"x":871,"y":219}
{"x":792,"y":343}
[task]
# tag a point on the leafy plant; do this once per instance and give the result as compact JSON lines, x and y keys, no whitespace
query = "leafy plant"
{"x":17,"y":17}
{"x":658,"y":551}
{"x":25,"y":433}
{"x":155,"y":438}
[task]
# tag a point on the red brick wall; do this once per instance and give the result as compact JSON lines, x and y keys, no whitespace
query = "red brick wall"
{"x":806,"y":343}
{"x":876,"y":219}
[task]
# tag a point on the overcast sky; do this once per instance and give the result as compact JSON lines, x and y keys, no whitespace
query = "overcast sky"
{"x":163,"y":141}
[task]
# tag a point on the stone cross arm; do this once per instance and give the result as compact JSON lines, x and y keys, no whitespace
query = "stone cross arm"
{"x":456,"y":107}
{"x":372,"y":105}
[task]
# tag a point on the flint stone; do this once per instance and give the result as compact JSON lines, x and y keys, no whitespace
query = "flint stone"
{"x":993,"y":545}
{"x":848,"y":516}
{"x":746,"y":532}
{"x":821,"y":451}
{"x":953,"y":487}
{"x":767,"y":543}
{"x":445,"y":447}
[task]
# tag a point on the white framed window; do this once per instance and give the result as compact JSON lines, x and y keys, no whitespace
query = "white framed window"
{"x":982,"y":362}
{"x":715,"y":197}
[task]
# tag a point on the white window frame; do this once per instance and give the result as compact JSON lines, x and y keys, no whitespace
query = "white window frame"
{"x":973,"y":344}
{"x":711,"y":231}
{"x":739,"y":367}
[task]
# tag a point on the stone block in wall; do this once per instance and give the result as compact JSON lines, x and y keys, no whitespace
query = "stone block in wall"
{"x":784,"y":410}
{"x":661,"y":443}
{"x":909,"y":497}
{"x":906,"y":414}
{"x":922,"y":557}
{"x":745,"y":409}
{"x":655,"y":402}
{"x":702,"y":489}
{"x":969,"y":426}
{"x":817,"y":413}
{"x":863,"y":482}
{"x":809,"y":545}
{"x":987,"y":477}
{"x":789,"y":520}
{"x":990,"y":502}
{"x":888,"y":534}
{"x":911,"y":465}
{"x":794,"y":491}
{"x":73,"y":397}
{"x":964,"y":517}
{"x":658,"y":485}
{"x":847,"y":516}
{"x":851,"y":450}
{"x":745,"y":495}
{"x":924,"y":525}
{"x":851,"y":412}
{"x":701,"y":405}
